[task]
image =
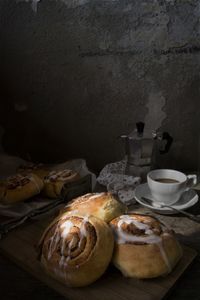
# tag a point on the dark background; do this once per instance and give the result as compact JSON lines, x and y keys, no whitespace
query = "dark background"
{"x":77,"y":74}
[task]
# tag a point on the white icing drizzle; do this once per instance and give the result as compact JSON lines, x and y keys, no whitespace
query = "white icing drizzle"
{"x":124,"y":237}
{"x":65,"y":229}
{"x":150,"y":238}
{"x":53,"y":243}
{"x":83,"y":232}
{"x":67,"y":226}
{"x":62,"y":261}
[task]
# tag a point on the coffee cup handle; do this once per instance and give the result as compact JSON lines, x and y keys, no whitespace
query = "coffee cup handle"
{"x":191,"y":180}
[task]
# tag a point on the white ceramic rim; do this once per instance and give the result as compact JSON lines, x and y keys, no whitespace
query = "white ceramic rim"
{"x":150,"y":175}
{"x":139,"y":192}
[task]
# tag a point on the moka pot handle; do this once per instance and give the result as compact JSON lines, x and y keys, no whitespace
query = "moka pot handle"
{"x":169,"y":139}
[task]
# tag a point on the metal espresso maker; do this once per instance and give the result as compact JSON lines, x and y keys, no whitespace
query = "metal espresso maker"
{"x":141,"y":147}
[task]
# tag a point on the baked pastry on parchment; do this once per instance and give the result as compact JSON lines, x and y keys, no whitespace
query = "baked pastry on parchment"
{"x":38,"y":169}
{"x":102,"y":205}
{"x":76,"y":250}
{"x":55,"y":180}
{"x":19,"y":188}
{"x":144,"y":247}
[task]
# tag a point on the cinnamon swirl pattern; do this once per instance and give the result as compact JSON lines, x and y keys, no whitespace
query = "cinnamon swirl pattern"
{"x":19,"y":188}
{"x":144,"y":248}
{"x":101,"y":205}
{"x":76,"y":250}
{"x":55,"y":180}
{"x":35,"y":168}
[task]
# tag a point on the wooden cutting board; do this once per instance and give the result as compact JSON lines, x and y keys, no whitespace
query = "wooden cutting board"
{"x":19,"y":246}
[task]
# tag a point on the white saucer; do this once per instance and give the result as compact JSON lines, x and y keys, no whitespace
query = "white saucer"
{"x":188,"y":199}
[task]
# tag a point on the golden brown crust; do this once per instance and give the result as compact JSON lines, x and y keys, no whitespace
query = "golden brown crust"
{"x":144,"y":247}
{"x":76,"y":250}
{"x":38,"y":169}
{"x":100,"y":205}
{"x":55,"y":180}
{"x":19,"y":188}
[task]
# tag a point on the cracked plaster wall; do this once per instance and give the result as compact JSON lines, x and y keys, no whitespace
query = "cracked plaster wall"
{"x":77,"y":74}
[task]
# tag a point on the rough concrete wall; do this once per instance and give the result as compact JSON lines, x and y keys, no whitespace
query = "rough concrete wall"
{"x":77,"y":74}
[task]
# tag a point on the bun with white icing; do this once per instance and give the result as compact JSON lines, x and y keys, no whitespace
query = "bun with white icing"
{"x":19,"y":188}
{"x":144,"y":248}
{"x":55,"y":180}
{"x":101,"y":205}
{"x":76,"y":250}
{"x":35,"y":168}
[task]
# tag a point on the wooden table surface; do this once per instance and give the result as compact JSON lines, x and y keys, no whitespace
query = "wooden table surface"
{"x":18,"y":284}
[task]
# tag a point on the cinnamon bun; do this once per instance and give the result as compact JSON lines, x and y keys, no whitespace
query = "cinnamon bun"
{"x":144,"y":248}
{"x":55,"y":180}
{"x":19,"y":188}
{"x":76,"y":250}
{"x":102,"y":205}
{"x":38,"y":169}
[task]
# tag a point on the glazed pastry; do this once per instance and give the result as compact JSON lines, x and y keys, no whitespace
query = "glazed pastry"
{"x":38,"y":169}
{"x":144,"y":248}
{"x":76,"y":250}
{"x":101,"y":205}
{"x":19,"y":188}
{"x":55,"y":180}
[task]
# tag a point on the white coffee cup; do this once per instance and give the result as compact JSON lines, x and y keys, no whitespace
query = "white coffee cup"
{"x":167,"y":185}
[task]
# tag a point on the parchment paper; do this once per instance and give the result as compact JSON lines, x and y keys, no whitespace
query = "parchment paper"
{"x":14,"y":215}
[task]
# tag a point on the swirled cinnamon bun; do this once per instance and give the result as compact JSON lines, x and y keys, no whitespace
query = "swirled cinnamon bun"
{"x":144,"y":248}
{"x":55,"y":180}
{"x":76,"y":250}
{"x":102,"y":205}
{"x":19,"y":188}
{"x":35,"y":168}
